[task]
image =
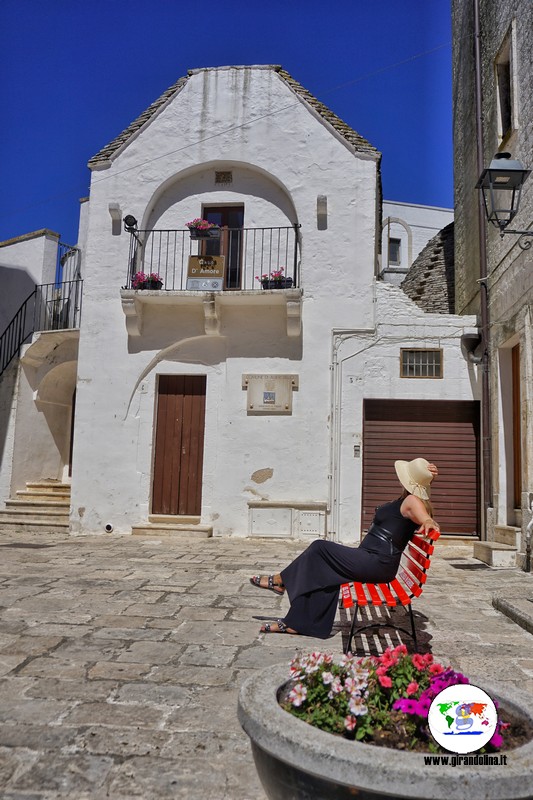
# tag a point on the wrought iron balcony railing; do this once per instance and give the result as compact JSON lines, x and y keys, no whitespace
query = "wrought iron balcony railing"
{"x":249,"y":254}
{"x":50,"y":307}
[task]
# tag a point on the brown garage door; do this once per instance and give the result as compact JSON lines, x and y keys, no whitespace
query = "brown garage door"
{"x":445,"y":432}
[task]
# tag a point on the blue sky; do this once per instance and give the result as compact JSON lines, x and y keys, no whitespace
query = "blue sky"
{"x":74,"y":74}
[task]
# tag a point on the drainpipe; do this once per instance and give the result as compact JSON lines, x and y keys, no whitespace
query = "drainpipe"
{"x":529,"y":532}
{"x":483,"y":285}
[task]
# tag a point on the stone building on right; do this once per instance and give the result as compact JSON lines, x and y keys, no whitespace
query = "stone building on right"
{"x":493,"y":116}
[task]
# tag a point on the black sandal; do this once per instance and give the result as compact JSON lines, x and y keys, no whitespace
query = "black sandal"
{"x":272,"y":587}
{"x":282,"y":628}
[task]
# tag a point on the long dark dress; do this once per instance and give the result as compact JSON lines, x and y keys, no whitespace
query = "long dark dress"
{"x":312,"y":580}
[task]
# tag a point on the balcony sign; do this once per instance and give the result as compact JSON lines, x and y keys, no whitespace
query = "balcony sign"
{"x":206,"y":273}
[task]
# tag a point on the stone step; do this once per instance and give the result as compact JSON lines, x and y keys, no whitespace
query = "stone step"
{"x":20,"y":525}
{"x":51,"y":502}
{"x":38,"y":515}
{"x":42,"y":495}
{"x":507,"y":534}
{"x":48,"y":486}
{"x":496,"y":554}
{"x":173,"y":529}
{"x":171,"y":519}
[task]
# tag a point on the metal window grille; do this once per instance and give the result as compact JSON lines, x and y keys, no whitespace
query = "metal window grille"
{"x":421,"y":363}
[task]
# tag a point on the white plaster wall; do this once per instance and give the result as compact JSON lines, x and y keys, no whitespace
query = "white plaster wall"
{"x":39,"y":436}
{"x":25,"y":262}
{"x":282,"y":159}
{"x":418,"y":225}
{"x":8,"y":406}
{"x":369,"y":367}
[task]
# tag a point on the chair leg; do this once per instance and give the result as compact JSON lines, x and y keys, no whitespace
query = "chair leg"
{"x":411,"y":616}
{"x":347,"y":649}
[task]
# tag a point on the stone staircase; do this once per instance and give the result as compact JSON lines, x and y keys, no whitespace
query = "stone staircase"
{"x":42,"y":507}
{"x":502,"y":551}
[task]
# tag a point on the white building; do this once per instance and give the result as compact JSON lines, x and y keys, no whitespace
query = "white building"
{"x":406,"y":229}
{"x":213,"y":404}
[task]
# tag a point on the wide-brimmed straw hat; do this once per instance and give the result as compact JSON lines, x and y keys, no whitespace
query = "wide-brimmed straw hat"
{"x":415,"y":476}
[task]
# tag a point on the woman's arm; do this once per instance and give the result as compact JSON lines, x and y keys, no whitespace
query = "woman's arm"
{"x":414,"y":509}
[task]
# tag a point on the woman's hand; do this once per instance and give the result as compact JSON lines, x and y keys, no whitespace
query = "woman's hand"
{"x":428,"y":525}
{"x":433,"y":469}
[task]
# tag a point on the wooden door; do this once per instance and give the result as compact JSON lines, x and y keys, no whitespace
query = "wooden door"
{"x":444,"y":432}
{"x":179,"y":445}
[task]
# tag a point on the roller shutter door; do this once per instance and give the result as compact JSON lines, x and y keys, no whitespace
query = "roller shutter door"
{"x":446,"y":433}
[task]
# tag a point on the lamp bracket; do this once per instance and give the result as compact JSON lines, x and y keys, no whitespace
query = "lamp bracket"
{"x":525,"y":242}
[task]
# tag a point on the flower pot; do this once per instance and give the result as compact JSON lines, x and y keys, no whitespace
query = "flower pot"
{"x":280,"y":283}
{"x":153,"y":285}
{"x":296,"y":760}
{"x":210,"y":233}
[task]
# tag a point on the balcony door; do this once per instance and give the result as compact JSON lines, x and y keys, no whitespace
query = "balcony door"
{"x":231,"y":221}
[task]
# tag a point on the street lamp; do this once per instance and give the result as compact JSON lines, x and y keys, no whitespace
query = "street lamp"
{"x":501,"y":185}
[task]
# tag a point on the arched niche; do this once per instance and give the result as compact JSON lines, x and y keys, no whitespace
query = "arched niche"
{"x":266,"y":200}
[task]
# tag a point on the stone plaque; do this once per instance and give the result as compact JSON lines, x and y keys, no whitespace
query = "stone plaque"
{"x":269,"y":394}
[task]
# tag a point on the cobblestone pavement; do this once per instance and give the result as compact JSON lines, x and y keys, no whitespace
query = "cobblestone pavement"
{"x":121,"y":658}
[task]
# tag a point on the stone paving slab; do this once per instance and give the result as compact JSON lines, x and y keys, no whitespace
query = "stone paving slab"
{"x":121,"y":657}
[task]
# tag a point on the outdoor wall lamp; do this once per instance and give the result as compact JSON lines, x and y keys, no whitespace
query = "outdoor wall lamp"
{"x":501,"y":185}
{"x":130,"y":223}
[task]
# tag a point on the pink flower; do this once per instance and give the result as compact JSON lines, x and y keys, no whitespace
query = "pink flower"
{"x":357,"y":706}
{"x":419,"y":662}
{"x":350,"y":723}
{"x":298,"y":694}
{"x":401,"y":650}
{"x":436,"y":669}
{"x":385,"y":681}
{"x":412,"y":688}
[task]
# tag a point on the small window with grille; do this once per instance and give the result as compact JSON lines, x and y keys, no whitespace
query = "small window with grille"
{"x":420,"y":363}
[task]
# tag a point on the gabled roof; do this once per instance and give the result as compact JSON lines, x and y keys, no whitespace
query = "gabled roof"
{"x":351,"y":136}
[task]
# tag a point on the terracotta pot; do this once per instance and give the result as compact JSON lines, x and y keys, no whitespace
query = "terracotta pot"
{"x":295,"y":760}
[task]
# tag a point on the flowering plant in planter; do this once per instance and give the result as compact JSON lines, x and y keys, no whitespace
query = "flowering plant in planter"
{"x":381,"y":700}
{"x":201,"y":225}
{"x":142,"y":280}
{"x":275,"y":280}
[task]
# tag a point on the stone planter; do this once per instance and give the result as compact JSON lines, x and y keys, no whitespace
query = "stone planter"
{"x":210,"y":233}
{"x":296,"y":761}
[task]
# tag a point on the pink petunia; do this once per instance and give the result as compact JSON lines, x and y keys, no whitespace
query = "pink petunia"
{"x":298,"y":694}
{"x":350,"y":723}
{"x":401,"y":650}
{"x":419,"y":662}
{"x":385,"y":681}
{"x":412,"y":688}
